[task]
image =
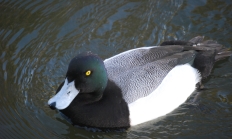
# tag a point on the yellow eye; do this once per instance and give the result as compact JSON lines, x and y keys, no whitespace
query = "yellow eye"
{"x":88,"y":72}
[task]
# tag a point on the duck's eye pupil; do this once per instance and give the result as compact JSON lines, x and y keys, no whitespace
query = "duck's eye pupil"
{"x":88,"y":72}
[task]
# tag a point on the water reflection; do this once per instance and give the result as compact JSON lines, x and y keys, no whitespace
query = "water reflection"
{"x":38,"y":38}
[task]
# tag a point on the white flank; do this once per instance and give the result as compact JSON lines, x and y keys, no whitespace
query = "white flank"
{"x":65,"y":96}
{"x":174,"y":90}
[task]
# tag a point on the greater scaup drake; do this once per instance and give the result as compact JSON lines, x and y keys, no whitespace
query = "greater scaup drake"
{"x":135,"y":86}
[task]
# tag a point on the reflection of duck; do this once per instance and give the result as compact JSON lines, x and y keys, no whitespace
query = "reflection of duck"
{"x":134,"y":86}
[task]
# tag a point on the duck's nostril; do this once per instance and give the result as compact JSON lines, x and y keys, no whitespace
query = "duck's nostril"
{"x":52,"y":105}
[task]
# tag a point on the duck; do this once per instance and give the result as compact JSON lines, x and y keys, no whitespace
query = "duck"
{"x":135,"y":86}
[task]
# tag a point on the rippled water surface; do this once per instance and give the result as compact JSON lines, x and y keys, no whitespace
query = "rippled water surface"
{"x":38,"y":39}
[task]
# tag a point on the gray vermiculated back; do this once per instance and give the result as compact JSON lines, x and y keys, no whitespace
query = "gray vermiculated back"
{"x":139,"y":72}
{"x":137,"y":57}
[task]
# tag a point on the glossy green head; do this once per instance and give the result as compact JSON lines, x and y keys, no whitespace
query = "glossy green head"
{"x":88,"y":73}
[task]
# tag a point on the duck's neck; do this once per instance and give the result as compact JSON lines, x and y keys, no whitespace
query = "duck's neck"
{"x":88,"y":98}
{"x":91,"y":97}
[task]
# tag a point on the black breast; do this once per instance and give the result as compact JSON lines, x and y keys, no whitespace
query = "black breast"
{"x":111,"y":111}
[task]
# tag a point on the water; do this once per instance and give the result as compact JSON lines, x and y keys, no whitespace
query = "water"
{"x":38,"y":39}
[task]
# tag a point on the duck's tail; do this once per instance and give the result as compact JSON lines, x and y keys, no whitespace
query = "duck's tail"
{"x":208,"y":52}
{"x":209,"y":45}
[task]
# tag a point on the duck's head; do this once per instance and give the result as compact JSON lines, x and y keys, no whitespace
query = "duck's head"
{"x":86,"y":77}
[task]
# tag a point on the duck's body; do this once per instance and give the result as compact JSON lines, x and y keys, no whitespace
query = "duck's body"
{"x":155,"y":77}
{"x":134,"y":86}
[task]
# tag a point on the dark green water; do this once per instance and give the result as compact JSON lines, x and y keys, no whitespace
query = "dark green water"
{"x":38,"y":39}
